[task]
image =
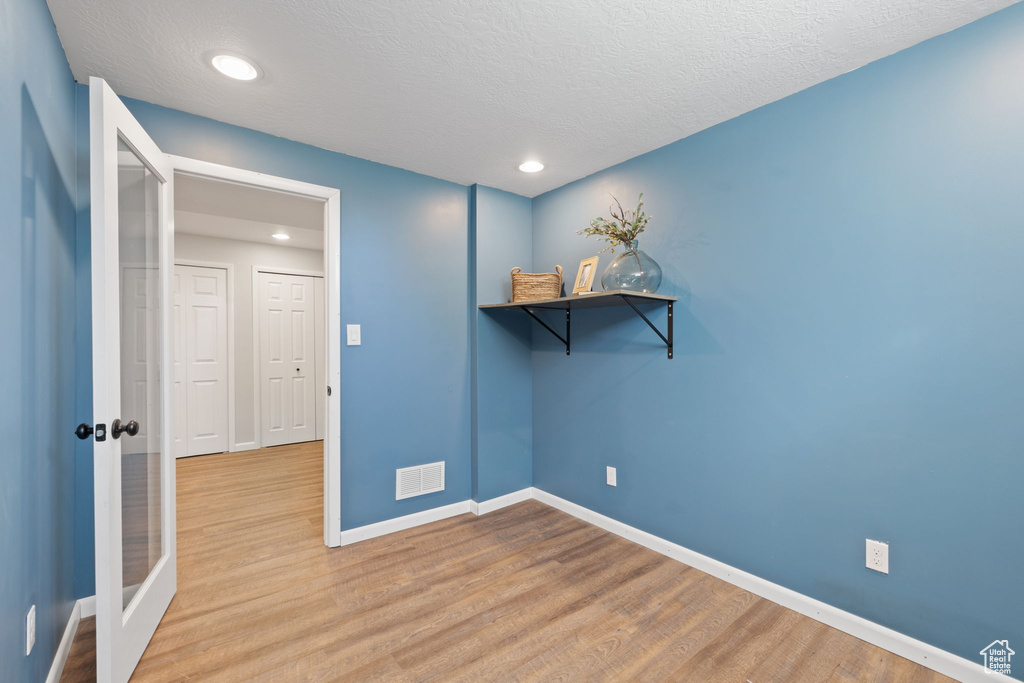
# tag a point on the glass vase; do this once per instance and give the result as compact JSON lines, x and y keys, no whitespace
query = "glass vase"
{"x":632,"y":270}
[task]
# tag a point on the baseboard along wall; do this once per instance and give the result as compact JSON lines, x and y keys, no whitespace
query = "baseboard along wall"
{"x":60,"y":658}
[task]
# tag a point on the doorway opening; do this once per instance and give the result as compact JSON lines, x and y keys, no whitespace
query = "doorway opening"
{"x":256,"y":318}
{"x":248,"y":318}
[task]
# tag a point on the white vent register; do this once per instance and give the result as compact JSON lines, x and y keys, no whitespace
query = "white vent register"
{"x":416,"y":481}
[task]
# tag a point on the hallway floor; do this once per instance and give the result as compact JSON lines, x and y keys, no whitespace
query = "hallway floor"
{"x":524,"y":593}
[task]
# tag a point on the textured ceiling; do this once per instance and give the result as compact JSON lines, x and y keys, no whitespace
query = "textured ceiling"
{"x":466,"y":89}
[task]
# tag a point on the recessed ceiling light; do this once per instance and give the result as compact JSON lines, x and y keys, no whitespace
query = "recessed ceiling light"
{"x":281,"y":236}
{"x":235,"y":66}
{"x":531,"y":166}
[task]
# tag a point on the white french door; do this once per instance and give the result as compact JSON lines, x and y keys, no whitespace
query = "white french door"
{"x":131,"y":190}
{"x":287,"y":358}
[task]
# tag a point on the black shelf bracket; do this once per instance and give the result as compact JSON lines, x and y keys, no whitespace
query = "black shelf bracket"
{"x":568,"y":327}
{"x":668,"y":339}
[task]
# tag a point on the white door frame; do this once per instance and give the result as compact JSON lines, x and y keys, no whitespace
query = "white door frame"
{"x":230,"y":268}
{"x":257,"y":370}
{"x":332,"y":315}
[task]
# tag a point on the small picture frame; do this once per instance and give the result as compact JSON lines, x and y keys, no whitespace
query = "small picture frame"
{"x":585,"y":276}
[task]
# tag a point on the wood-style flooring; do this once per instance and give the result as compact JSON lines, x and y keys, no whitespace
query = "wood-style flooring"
{"x":524,"y":593}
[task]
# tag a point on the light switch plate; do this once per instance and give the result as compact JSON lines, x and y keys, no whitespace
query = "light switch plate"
{"x":611,"y":476}
{"x":353,"y":335}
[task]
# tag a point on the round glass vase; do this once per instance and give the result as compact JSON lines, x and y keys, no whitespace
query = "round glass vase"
{"x":632,"y":270}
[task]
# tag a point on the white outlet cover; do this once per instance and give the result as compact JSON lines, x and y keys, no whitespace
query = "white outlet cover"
{"x":612,"y":479}
{"x":30,"y":630}
{"x":877,"y":556}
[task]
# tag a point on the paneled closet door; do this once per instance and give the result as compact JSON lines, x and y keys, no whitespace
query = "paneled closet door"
{"x":201,"y":313}
{"x":286,"y":321}
{"x":179,"y":440}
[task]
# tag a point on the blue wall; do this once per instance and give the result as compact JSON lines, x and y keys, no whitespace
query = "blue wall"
{"x":502,"y":389}
{"x":404,"y":258}
{"x":849,"y":365}
{"x":37,"y":347}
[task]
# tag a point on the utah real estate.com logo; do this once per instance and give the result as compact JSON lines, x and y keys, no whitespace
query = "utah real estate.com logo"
{"x":997,"y":657}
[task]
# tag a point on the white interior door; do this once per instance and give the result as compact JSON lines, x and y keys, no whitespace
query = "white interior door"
{"x":179,"y":439}
{"x":203,"y":330}
{"x":287,"y":363}
{"x":319,"y":342}
{"x":131,"y":245}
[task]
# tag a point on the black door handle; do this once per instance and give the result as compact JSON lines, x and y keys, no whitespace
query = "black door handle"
{"x":117,"y":427}
{"x":83,"y":431}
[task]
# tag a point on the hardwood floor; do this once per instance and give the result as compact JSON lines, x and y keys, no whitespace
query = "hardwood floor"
{"x":524,"y":593}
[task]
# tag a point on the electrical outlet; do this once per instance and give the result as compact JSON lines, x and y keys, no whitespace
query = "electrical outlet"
{"x":877,"y":556}
{"x":30,"y":630}
{"x":610,"y":473}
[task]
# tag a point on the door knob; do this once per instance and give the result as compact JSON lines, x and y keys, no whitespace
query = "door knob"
{"x":83,"y":431}
{"x":118,"y":427}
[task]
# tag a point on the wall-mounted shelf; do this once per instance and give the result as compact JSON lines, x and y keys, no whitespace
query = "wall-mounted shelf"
{"x":619,"y":297}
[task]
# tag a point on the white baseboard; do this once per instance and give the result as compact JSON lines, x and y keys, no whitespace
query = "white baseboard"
{"x":485,"y":506}
{"x":88,"y":606}
{"x":915,"y":650}
{"x":60,"y":658}
{"x":245,"y":446}
{"x":390,"y":526}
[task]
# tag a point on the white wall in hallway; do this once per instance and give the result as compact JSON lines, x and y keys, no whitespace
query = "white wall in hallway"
{"x":244,"y":255}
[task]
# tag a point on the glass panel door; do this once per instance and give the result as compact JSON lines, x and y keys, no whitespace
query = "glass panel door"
{"x":131,"y":192}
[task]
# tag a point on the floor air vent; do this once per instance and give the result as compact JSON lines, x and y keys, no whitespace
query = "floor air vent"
{"x":415,"y":481}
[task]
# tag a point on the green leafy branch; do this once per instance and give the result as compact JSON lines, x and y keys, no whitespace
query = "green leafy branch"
{"x":622,"y":228}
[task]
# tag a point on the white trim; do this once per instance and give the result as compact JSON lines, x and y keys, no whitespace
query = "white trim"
{"x":332,"y":373}
{"x":240,"y":176}
{"x":60,"y":657}
{"x":486,"y":506}
{"x":88,"y":606}
{"x":332,"y":303}
{"x":245,"y":446}
{"x":230,"y":268}
{"x":390,"y":526}
{"x":910,"y":648}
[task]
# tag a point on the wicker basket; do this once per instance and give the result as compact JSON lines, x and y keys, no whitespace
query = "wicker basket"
{"x":536,"y":286}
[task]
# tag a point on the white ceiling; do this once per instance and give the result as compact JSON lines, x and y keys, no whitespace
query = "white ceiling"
{"x":219,"y":198}
{"x":238,"y":212}
{"x":466,"y":89}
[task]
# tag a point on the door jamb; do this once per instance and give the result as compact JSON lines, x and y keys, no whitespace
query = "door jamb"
{"x":230,"y":268}
{"x":332,"y":316}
